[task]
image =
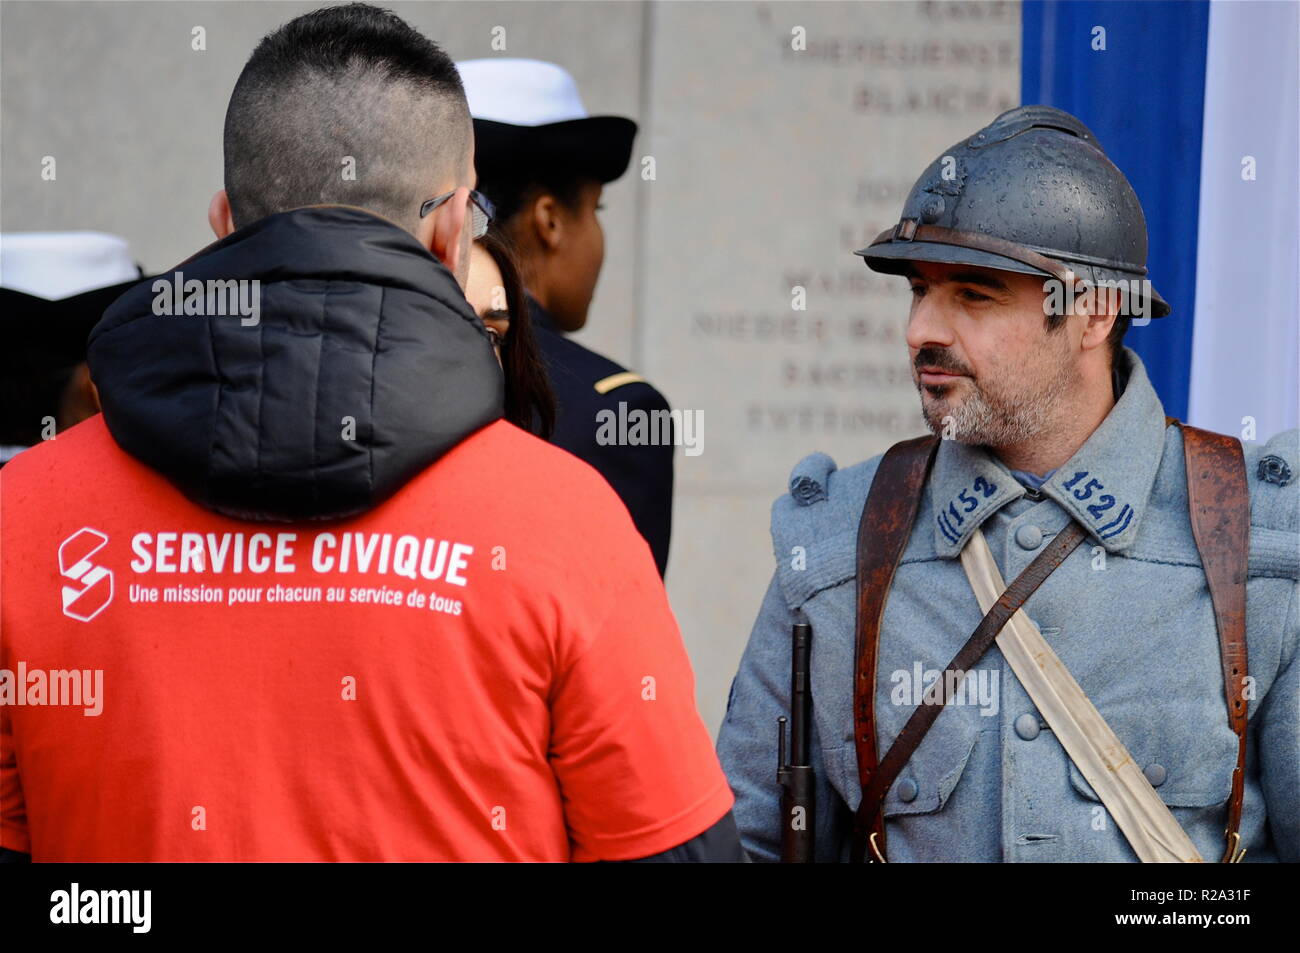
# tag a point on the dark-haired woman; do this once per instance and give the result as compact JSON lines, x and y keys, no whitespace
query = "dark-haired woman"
{"x":496,"y":293}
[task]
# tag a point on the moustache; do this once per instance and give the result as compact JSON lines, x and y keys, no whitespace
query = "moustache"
{"x":941,"y":359}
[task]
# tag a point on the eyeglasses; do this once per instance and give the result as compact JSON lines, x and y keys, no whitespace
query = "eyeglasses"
{"x":480,"y":205}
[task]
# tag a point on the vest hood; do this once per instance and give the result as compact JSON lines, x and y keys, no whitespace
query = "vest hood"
{"x":333,"y":359}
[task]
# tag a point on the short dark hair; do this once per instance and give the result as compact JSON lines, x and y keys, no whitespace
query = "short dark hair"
{"x":1116,"y":337}
{"x":511,"y":192}
{"x":1114,"y":340}
{"x":530,"y":400}
{"x":352,"y":80}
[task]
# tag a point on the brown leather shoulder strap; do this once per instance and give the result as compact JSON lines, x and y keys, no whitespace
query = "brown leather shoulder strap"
{"x":883,"y":532}
{"x":1219,"y":504}
{"x":923,"y":717}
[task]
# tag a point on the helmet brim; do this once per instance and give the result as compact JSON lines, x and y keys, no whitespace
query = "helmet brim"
{"x":892,"y":258}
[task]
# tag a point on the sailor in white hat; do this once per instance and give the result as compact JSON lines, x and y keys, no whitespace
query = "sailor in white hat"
{"x":543,"y":161}
{"x":54,"y":286}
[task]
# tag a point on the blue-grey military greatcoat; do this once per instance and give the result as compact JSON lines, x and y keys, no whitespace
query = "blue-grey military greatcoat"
{"x":1128,"y":612}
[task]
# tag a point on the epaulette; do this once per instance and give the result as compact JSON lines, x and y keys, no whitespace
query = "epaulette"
{"x":607,"y":384}
{"x":810,"y":479}
{"x":815,"y":525}
{"x":1273,"y":475}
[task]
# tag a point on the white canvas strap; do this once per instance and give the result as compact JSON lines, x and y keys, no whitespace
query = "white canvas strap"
{"x":1099,"y":755}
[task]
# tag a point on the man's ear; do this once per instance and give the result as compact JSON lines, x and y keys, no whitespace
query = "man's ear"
{"x":1099,"y":308}
{"x":547,"y":222}
{"x":219,"y":215}
{"x":441,"y":232}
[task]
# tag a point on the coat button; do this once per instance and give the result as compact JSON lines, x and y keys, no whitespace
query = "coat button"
{"x":1156,"y":774}
{"x":1027,"y":726}
{"x":1029,"y":536}
{"x":907,"y":790}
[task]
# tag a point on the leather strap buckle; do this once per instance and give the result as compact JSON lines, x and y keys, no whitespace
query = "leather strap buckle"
{"x":1235,"y":851}
{"x":879,"y":858}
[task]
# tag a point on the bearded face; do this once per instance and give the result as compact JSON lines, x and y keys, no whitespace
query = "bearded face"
{"x":988,"y":370}
{"x":1011,"y":400}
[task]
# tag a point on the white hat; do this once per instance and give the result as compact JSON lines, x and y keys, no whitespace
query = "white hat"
{"x":520,"y":92}
{"x":528,"y":115}
{"x":54,"y":265}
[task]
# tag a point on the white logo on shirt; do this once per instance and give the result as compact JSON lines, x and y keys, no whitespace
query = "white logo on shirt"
{"x":95,"y":591}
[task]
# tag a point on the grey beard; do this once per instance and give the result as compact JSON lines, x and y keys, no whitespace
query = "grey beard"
{"x":996,"y":419}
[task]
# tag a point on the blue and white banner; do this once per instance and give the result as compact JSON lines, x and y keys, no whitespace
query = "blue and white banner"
{"x":1199,"y":104}
{"x":1245,"y":344}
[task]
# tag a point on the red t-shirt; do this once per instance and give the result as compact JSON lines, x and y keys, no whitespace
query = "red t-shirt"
{"x":485,"y":667}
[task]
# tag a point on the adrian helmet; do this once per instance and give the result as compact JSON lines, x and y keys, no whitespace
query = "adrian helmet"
{"x":1032,"y":192}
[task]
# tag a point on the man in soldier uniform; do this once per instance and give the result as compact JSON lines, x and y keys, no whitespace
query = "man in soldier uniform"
{"x":1053,"y":440}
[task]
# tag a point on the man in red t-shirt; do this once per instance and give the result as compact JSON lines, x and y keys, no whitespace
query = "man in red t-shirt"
{"x":294,"y":595}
